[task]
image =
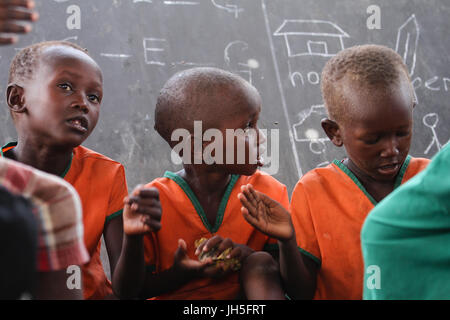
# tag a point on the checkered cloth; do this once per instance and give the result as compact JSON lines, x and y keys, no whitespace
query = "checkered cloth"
{"x":59,"y":214}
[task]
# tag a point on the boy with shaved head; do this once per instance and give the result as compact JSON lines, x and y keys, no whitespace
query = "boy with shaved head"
{"x":200,"y":201}
{"x":369,"y":98}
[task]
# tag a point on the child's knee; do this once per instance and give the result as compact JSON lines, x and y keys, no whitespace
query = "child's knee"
{"x":260,"y":264}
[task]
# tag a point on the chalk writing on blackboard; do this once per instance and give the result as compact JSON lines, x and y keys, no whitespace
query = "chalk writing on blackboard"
{"x":153,"y":46}
{"x":407,"y":42}
{"x":232,"y":8}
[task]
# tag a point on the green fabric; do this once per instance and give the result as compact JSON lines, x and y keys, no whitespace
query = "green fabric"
{"x":196,"y":203}
{"x":407,"y":236}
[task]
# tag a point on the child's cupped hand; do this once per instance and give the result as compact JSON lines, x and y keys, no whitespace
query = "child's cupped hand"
{"x":265,"y":214}
{"x":142,"y":211}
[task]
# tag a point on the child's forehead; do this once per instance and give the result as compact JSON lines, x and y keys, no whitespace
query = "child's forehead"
{"x":59,"y":55}
{"x":367,"y":105}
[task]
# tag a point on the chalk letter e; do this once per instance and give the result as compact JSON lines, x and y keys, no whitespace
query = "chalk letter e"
{"x":374,"y":280}
{"x":74,"y":20}
{"x":374,"y":20}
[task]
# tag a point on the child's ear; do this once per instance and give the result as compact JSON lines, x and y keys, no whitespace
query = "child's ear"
{"x":15,"y":97}
{"x":333,"y":131}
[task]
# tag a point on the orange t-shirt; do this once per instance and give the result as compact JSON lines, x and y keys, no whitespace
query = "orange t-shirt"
{"x":183,"y":217}
{"x":101,"y":185}
{"x":328,"y":208}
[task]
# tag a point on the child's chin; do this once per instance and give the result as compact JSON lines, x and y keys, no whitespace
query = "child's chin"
{"x":246,"y":170}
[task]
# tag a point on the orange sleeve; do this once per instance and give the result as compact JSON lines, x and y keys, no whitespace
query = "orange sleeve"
{"x":304,"y":225}
{"x":118,"y":192}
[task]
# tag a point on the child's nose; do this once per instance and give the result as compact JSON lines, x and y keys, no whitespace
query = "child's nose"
{"x":81,"y":103}
{"x":390,"y":147}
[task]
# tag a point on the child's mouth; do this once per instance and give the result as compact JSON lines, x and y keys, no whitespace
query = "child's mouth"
{"x":389,"y":169}
{"x":79,"y":124}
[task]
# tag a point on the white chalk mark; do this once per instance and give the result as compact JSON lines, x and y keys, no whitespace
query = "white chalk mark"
{"x":407,"y":42}
{"x":232,"y":8}
{"x":316,"y":143}
{"x":431,"y":120}
{"x":306,"y":37}
{"x":226,"y":52}
{"x":74,"y":38}
{"x":241,"y":46}
{"x":146,"y":1}
{"x":115,"y":55}
{"x":150,"y":49}
{"x":182,"y":3}
{"x":200,"y":64}
{"x":280,"y":88}
{"x":253,"y":63}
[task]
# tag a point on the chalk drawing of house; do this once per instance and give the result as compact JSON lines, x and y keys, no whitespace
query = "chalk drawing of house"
{"x":312,"y":37}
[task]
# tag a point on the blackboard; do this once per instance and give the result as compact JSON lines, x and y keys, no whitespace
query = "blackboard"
{"x":280,"y":46}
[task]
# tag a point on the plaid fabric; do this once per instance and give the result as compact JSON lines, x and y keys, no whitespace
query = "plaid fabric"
{"x":59,"y":214}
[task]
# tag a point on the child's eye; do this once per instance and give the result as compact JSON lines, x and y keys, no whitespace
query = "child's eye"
{"x":94,"y":98}
{"x":373,"y":140}
{"x":65,"y":86}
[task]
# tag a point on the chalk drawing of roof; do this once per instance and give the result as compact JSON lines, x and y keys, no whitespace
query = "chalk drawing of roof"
{"x":312,"y":37}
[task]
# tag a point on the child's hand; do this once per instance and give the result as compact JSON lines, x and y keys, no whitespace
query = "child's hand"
{"x":225,"y":254}
{"x":12,"y":11}
{"x":265,"y":214}
{"x":182,"y":262}
{"x":142,"y":211}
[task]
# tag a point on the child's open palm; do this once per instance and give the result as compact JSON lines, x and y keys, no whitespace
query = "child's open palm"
{"x":265,"y":214}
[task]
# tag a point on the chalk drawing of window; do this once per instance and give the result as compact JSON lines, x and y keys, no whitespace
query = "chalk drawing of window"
{"x":312,"y":37}
{"x":317,"y":47}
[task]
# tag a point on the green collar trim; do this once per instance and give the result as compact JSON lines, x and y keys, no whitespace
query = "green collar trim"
{"x":198,"y":207}
{"x":9,"y":144}
{"x":14,"y":144}
{"x":397,"y":183}
{"x":401,"y":173}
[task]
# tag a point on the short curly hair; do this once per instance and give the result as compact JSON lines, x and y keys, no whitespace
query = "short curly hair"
{"x":27,"y":60}
{"x":372,"y":66}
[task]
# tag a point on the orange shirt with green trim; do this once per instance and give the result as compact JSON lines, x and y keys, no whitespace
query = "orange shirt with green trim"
{"x":183,"y":217}
{"x":328,"y":208}
{"x":101,"y":185}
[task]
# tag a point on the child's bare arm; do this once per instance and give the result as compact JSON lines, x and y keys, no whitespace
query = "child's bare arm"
{"x":12,"y":11}
{"x":267,"y":215}
{"x":142,"y":214}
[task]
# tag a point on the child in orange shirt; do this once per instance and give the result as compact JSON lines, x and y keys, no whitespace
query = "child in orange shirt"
{"x":369,"y":98}
{"x":200,"y":201}
{"x":54,"y":95}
